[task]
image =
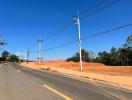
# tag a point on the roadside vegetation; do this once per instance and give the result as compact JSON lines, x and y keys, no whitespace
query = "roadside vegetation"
{"x":116,"y":57}
{"x":7,"y":57}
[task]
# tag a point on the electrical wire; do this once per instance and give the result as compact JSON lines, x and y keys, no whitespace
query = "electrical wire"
{"x":92,"y":36}
{"x":97,"y":9}
{"x":89,"y":11}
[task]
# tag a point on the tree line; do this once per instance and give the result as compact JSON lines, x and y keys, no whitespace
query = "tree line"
{"x":6,"y":56}
{"x":116,"y":56}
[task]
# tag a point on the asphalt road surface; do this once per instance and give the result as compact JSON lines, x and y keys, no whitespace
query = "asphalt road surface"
{"x":18,"y":83}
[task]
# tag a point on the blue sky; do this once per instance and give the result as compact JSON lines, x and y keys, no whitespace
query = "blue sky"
{"x":22,"y":22}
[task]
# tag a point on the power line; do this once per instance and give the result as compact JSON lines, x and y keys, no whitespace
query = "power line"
{"x":97,"y":9}
{"x":92,"y":8}
{"x":61,"y":45}
{"x":107,"y":31}
{"x":89,"y":11}
{"x":102,"y":4}
{"x":87,"y":37}
{"x":29,"y":46}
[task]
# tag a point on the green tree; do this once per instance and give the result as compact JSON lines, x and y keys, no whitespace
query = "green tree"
{"x":114,"y":57}
{"x":13,"y":58}
{"x":117,"y":56}
{"x":129,"y":49}
{"x":128,"y":42}
{"x":125,"y":56}
{"x":85,"y":55}
{"x":5,"y":54}
{"x":121,"y":56}
{"x":104,"y":57}
{"x":76,"y":57}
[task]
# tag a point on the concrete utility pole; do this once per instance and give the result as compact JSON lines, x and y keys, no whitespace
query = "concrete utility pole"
{"x":40,"y":41}
{"x":77,"y":21}
{"x":22,"y":56}
{"x":27,"y":54}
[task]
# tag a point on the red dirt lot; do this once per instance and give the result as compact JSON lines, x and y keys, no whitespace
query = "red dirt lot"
{"x":87,"y":67}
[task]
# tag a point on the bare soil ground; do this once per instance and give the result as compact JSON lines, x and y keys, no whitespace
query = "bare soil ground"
{"x":88,"y":67}
{"x":114,"y":75}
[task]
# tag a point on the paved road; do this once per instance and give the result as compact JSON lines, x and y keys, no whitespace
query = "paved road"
{"x":18,"y":83}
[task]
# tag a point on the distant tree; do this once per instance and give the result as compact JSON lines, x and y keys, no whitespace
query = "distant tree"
{"x":121,"y":56}
{"x":13,"y":58}
{"x":114,"y":57}
{"x":129,"y":50}
{"x":76,"y":57}
{"x":85,"y":55}
{"x":92,"y":56}
{"x":5,"y":54}
{"x":128,"y":42}
{"x":125,"y":56}
{"x":113,"y":50}
{"x":104,"y":57}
